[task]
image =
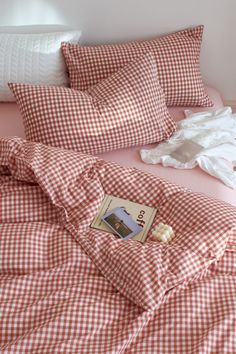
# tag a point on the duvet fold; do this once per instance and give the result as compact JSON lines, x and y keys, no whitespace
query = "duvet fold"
{"x":76,"y":184}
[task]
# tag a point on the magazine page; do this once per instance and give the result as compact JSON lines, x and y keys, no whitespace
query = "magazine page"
{"x":141,"y":214}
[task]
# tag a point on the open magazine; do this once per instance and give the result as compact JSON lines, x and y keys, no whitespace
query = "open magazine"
{"x":141,"y":214}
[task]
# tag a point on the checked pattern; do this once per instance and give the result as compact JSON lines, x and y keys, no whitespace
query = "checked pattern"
{"x":68,"y":288}
{"x":126,"y":109}
{"x":177,"y":56}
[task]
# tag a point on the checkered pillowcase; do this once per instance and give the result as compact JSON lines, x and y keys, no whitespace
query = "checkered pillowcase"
{"x":178,"y":64}
{"x":126,"y":109}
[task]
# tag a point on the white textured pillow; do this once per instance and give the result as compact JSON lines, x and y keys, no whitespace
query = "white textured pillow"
{"x":33,"y":58}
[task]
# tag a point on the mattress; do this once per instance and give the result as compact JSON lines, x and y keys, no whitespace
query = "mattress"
{"x":195,"y":179}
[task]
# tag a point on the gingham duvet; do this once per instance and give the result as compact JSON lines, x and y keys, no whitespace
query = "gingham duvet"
{"x":67,"y":288}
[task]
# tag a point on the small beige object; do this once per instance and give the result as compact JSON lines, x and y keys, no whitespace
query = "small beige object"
{"x":163,"y":232}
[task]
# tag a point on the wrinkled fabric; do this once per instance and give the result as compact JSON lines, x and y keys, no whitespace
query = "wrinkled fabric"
{"x":215,"y":131}
{"x":68,"y":288}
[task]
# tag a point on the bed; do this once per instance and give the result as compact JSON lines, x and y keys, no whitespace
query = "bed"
{"x":196,"y":179}
{"x":66,"y":287}
{"x":69,"y":288}
{"x":62,"y":293}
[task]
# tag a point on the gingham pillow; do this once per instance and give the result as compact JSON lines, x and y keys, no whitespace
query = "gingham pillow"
{"x":124,"y":110}
{"x":178,"y":65}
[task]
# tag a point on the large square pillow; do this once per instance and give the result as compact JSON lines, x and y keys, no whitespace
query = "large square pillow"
{"x":178,"y":64}
{"x":33,"y":58}
{"x":126,"y":109}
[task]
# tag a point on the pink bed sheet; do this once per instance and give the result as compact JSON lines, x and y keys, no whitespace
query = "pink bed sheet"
{"x":197,"y":180}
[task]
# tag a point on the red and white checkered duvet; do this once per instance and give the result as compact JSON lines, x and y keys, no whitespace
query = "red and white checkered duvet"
{"x":67,"y":288}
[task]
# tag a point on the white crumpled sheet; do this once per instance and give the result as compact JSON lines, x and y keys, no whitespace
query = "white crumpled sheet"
{"x":215,"y":131}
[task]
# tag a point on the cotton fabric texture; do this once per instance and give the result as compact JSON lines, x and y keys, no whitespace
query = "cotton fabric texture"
{"x":33,"y":58}
{"x":177,"y":56}
{"x":126,"y":109}
{"x":65,"y":286}
{"x":215,"y":131}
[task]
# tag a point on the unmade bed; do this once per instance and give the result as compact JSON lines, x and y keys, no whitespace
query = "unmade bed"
{"x":68,"y":288}
{"x":11,"y":125}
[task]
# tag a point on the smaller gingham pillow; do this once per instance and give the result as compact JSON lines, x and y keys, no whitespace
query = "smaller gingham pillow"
{"x":126,"y":109}
{"x":177,"y":56}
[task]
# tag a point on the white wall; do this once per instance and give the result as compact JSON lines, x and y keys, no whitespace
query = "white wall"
{"x":117,"y":20}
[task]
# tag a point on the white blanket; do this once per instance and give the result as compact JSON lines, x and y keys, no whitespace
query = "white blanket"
{"x":215,"y":131}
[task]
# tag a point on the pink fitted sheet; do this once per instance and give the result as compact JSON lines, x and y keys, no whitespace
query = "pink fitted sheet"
{"x":196,"y":179}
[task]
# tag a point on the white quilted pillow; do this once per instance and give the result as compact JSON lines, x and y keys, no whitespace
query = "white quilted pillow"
{"x":33,"y":58}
